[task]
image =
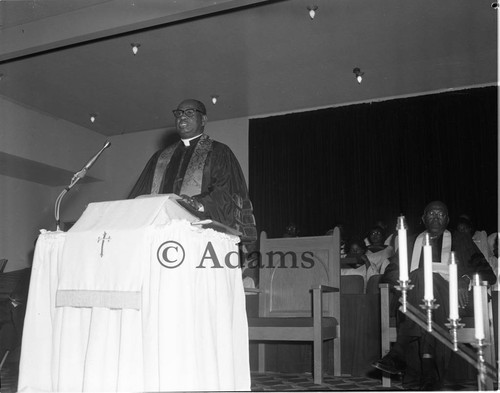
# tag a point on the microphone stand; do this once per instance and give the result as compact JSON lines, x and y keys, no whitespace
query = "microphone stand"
{"x":75,"y":179}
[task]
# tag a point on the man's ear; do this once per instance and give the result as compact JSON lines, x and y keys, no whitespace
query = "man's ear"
{"x":205,"y":119}
{"x":423,"y":219}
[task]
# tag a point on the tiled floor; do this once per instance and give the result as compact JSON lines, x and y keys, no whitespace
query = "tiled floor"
{"x":304,"y":382}
{"x":270,"y":382}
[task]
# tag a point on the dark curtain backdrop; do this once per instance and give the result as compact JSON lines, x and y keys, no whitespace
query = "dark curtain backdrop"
{"x":360,"y":163}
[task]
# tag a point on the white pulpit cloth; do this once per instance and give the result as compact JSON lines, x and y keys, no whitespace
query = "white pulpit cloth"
{"x":110,"y":238}
{"x":190,"y":332}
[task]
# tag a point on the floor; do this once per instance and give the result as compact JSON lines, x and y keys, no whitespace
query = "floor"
{"x":303,"y":382}
{"x":270,"y":382}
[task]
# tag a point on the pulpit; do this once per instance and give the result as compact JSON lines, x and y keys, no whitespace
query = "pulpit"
{"x":134,"y":297}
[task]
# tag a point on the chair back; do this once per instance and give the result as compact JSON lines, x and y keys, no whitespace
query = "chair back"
{"x":3,"y":263}
{"x":10,"y":280}
{"x":372,"y":284}
{"x":352,"y":285}
{"x":290,"y":267}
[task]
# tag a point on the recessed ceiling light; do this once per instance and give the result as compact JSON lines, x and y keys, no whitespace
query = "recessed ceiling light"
{"x":312,"y":11}
{"x":359,"y":74}
{"x":135,"y":48}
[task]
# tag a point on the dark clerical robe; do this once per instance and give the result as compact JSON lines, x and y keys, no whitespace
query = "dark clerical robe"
{"x":209,"y":172}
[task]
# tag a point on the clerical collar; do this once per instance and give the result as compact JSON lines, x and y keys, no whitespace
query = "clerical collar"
{"x":431,"y":237}
{"x":187,"y":142}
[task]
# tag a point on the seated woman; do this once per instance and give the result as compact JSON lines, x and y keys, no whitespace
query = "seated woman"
{"x":376,"y":255}
{"x":358,"y":264}
{"x":377,"y":251}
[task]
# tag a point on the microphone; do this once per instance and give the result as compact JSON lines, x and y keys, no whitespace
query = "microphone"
{"x":76,"y":177}
{"x":81,"y":174}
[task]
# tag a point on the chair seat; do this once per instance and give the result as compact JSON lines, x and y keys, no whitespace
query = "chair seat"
{"x":291,"y":321}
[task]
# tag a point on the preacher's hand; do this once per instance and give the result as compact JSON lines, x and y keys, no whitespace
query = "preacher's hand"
{"x":192,"y":202}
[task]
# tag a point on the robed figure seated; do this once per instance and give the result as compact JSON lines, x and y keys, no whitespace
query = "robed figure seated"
{"x":416,"y":354}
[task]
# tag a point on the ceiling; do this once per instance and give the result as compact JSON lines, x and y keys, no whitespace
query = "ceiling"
{"x":71,"y":58}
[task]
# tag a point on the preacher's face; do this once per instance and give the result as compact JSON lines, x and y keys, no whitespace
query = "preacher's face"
{"x":190,"y":119}
{"x":436,"y":218}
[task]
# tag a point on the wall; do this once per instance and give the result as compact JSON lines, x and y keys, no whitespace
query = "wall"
{"x":27,"y":206}
{"x":233,"y":133}
{"x":45,"y":139}
{"x":129,"y":153}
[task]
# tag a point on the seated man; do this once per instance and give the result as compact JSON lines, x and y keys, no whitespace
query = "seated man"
{"x":433,"y":356}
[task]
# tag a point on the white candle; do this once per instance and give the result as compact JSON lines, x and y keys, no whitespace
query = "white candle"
{"x":478,"y":309}
{"x":453,"y":287}
{"x":429,"y":286}
{"x":403,"y":255}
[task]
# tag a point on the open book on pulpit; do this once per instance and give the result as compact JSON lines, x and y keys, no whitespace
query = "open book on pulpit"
{"x":199,"y":218}
{"x":216,"y":226}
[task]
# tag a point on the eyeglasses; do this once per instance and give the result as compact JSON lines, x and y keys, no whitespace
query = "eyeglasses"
{"x":190,"y":112}
{"x":435,"y":214}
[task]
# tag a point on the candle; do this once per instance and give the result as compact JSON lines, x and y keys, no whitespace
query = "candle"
{"x":453,"y":287}
{"x":403,"y":255}
{"x":429,"y":286}
{"x":478,"y":309}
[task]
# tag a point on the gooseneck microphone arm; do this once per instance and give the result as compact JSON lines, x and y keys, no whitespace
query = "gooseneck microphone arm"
{"x":76,"y":177}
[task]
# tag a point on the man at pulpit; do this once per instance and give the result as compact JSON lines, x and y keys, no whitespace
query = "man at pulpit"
{"x":204,"y":172}
{"x":431,"y":357}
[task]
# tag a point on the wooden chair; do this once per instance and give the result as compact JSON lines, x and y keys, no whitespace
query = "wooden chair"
{"x":3,"y":263}
{"x":466,"y":335}
{"x":352,"y":285}
{"x":9,"y":281}
{"x":387,"y":328}
{"x":299,"y":297}
{"x":372,"y":286}
{"x":14,"y":287}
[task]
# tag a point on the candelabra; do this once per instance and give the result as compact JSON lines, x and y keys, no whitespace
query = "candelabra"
{"x":428,"y":306}
{"x":404,"y":286}
{"x":454,"y":325}
{"x":481,"y":364}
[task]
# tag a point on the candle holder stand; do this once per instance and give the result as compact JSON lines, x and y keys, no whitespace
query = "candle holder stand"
{"x":481,"y":364}
{"x":428,"y":306}
{"x":404,"y":287}
{"x":454,"y":325}
{"x":476,"y":358}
